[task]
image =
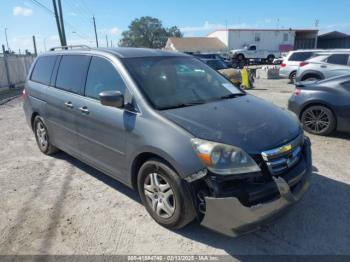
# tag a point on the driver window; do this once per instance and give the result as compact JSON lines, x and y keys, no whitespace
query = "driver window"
{"x":102,"y":76}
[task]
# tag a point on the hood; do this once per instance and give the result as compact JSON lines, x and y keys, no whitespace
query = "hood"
{"x":248,"y":122}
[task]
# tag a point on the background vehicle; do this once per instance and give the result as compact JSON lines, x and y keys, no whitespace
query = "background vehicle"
{"x":323,"y":66}
{"x":323,"y":106}
{"x":291,"y":62}
{"x":252,"y":52}
{"x":214,"y":56}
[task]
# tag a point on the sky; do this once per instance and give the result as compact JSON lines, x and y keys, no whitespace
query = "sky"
{"x":25,"y":18}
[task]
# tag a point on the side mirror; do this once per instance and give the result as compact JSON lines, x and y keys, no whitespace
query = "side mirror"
{"x":112,"y":98}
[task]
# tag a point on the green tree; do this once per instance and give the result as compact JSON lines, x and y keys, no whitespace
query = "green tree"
{"x":148,"y":32}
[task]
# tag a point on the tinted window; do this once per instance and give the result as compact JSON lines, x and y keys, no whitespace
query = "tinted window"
{"x":72,"y":72}
{"x":300,"y":56}
{"x":338,"y":59}
{"x":102,"y":76}
{"x":43,"y":69}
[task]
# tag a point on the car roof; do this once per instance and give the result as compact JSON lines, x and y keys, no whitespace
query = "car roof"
{"x":120,"y":52}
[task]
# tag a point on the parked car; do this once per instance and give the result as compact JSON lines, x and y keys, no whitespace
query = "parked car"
{"x":291,"y":62}
{"x":252,"y":52}
{"x":192,"y":144}
{"x":216,"y":64}
{"x":323,"y":106}
{"x":226,"y":61}
{"x":324,"y":66}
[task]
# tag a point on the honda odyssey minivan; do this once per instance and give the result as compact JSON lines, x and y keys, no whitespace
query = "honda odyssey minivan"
{"x":169,"y":126}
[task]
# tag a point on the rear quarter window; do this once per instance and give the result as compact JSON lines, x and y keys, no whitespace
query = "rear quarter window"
{"x":300,"y":56}
{"x":338,"y":59}
{"x":43,"y":69}
{"x":72,"y":73}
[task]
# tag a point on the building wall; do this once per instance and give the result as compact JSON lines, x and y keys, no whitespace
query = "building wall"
{"x":334,"y":43}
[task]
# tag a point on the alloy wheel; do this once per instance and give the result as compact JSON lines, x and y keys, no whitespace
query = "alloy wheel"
{"x":159,"y":195}
{"x":316,"y":120}
{"x":41,"y":135}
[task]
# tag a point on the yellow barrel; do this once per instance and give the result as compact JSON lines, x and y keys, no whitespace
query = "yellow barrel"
{"x":245,"y":78}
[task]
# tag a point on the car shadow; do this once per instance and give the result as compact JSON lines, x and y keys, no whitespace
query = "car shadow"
{"x":129,"y":192}
{"x":318,"y":224}
{"x":341,"y":135}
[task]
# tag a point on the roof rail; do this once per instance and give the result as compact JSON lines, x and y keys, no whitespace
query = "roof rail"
{"x":69,"y":47}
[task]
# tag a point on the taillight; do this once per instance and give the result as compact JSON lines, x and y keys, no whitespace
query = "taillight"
{"x":24,"y":94}
{"x":297,"y":91}
{"x":303,"y":64}
{"x":283,"y":65}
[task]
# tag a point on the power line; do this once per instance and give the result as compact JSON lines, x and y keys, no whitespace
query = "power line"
{"x":48,"y":10}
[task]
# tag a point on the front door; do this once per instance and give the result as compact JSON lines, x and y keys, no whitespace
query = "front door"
{"x":102,"y":129}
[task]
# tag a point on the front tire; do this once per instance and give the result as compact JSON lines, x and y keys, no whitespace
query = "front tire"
{"x":42,"y":136}
{"x":318,"y":120}
{"x":163,"y":194}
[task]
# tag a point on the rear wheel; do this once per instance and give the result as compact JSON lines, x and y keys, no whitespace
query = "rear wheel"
{"x":240,"y":57}
{"x":318,"y":120}
{"x":311,"y":78}
{"x":42,"y":136}
{"x":163,"y":195}
{"x":292,"y":77}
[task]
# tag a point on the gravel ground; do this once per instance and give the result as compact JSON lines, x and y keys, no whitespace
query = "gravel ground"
{"x":58,"y":205}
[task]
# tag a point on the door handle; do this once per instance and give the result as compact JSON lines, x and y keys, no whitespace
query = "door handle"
{"x":68,"y":104}
{"x":84,"y":110}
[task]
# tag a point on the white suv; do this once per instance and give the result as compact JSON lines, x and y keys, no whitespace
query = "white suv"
{"x":324,"y":65}
{"x":291,"y":62}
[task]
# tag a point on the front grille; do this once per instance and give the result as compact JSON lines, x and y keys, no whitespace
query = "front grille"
{"x":280,"y":159}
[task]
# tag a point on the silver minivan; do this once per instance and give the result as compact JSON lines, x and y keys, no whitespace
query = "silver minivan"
{"x":166,"y":124}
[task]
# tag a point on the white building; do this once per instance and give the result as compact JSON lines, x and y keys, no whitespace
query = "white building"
{"x":271,"y":39}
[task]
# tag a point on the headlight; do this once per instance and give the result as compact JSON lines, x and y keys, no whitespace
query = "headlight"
{"x":223,"y":159}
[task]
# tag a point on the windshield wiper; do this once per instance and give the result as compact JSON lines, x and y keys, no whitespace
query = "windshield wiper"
{"x":182,"y":105}
{"x":229,"y":96}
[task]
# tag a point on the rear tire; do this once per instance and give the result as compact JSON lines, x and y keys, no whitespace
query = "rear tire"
{"x":311,"y":78}
{"x":240,"y":57}
{"x":42,"y":136}
{"x":166,"y":199}
{"x":292,"y":77}
{"x":318,"y":120}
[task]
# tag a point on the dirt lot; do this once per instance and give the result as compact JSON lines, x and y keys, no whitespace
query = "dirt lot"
{"x":58,"y":205}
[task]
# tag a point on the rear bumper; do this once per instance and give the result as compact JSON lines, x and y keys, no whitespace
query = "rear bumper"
{"x":228,"y":216}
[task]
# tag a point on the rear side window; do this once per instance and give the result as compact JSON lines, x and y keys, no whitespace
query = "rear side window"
{"x":300,"y":56}
{"x":43,"y":69}
{"x":102,"y":76}
{"x":72,"y":72}
{"x":338,"y":59}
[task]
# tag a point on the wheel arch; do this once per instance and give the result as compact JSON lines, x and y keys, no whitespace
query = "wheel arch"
{"x":312,"y":73}
{"x":140,"y":159}
{"x":34,"y":114}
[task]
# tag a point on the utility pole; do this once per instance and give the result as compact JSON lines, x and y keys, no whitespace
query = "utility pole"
{"x":57,"y":21}
{"x":93,"y":18}
{"x":107,"y":40}
{"x":62,"y":23}
{"x":34,"y":44}
{"x":7,"y":42}
{"x":111,"y":45}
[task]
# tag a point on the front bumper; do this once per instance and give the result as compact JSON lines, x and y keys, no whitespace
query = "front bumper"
{"x":230,"y":217}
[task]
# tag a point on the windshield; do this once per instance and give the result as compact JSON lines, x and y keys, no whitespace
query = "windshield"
{"x":170,"y":82}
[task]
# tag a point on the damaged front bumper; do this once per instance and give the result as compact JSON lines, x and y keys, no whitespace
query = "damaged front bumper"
{"x":229,"y":216}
